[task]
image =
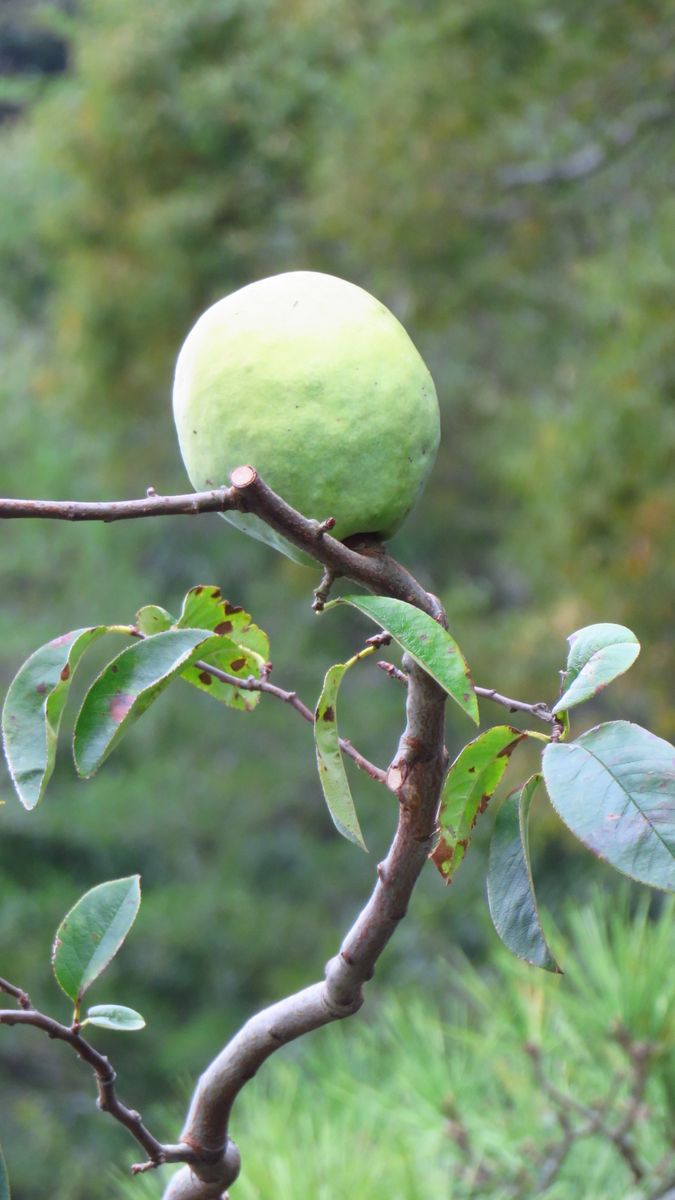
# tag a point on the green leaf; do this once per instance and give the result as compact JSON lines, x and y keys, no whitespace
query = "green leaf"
{"x":33,"y":709}
{"x":426,"y":641}
{"x":614,"y":787}
{"x":244,"y":650}
{"x":510,"y":888}
{"x":233,"y":660}
{"x":153,"y":619}
{"x":126,"y":687}
{"x":114,"y":1016}
{"x":5,"y":1193}
{"x":468,"y":788}
{"x":204,"y":607}
{"x":597,"y":655}
{"x":329,"y":758}
{"x":92,"y":932}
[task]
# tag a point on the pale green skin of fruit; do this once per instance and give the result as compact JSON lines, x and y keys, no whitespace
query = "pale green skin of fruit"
{"x":314,"y":383}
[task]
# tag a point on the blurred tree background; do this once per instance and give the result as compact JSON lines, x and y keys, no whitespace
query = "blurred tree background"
{"x":503,"y":180}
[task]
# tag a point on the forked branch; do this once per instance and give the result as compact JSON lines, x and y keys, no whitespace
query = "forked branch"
{"x":108,"y":1100}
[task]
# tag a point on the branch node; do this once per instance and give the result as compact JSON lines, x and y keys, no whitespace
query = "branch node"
{"x":393,"y":672}
{"x":322,"y":593}
{"x":379,"y":639}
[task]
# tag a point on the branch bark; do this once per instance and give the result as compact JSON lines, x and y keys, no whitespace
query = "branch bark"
{"x":420,"y":759}
{"x":188,"y":505}
{"x":369,"y":565}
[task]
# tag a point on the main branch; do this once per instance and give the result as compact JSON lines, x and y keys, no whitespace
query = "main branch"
{"x":420,"y":759}
{"x":370,"y":565}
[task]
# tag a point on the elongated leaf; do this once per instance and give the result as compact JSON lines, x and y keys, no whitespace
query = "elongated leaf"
{"x":598,"y":654}
{"x":152,"y":619}
{"x":5,"y":1193}
{"x":32,"y":712}
{"x":615,"y":789}
{"x":126,"y":688}
{"x":114,"y":1016}
{"x":426,"y":641}
{"x":468,"y":788}
{"x":510,"y":887}
{"x":329,"y":758}
{"x":92,"y":932}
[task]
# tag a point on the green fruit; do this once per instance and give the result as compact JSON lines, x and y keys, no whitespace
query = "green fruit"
{"x":314,"y":383}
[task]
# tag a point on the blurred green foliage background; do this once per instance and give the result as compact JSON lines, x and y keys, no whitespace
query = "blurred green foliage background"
{"x":503,"y":180}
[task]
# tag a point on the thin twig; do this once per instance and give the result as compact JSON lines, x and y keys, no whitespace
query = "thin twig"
{"x":539,"y":710}
{"x":108,"y":1100}
{"x":22,"y":997}
{"x":254,"y":683}
{"x":219,"y":500}
{"x":393,"y":672}
{"x":322,"y":593}
{"x":370,"y":565}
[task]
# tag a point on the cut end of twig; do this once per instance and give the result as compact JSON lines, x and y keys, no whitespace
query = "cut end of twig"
{"x":141,"y":1168}
{"x":243,"y":477}
{"x":394,"y":779}
{"x":393,"y":672}
{"x":325,"y":526}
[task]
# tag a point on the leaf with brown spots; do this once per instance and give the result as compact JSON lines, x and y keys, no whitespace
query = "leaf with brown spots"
{"x":205,"y":608}
{"x":33,"y":709}
{"x":243,"y":649}
{"x":127,"y":687}
{"x":431,"y":646}
{"x":332,"y":772}
{"x":468,"y":788}
{"x":225,"y":655}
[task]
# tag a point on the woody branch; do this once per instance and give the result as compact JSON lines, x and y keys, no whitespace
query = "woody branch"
{"x":416,"y":776}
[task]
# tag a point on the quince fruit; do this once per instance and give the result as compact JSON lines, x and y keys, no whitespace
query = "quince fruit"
{"x":313,"y":382}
